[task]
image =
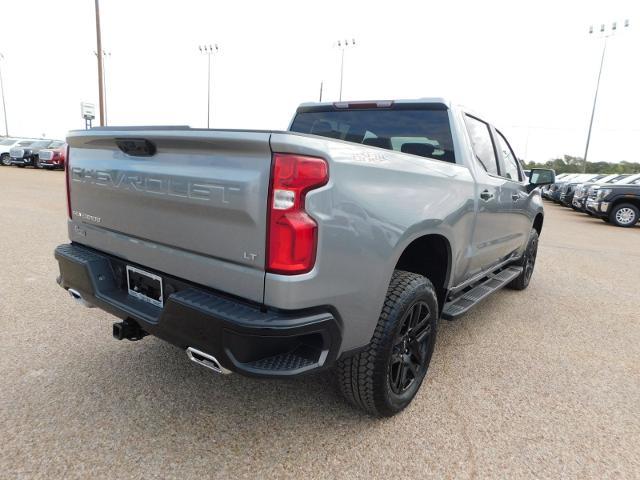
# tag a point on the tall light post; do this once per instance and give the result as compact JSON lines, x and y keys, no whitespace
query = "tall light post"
{"x":99,"y":57}
{"x":343,"y":45}
{"x":4,"y":105}
{"x":106,"y":55}
{"x":605,"y":34}
{"x":208,"y":50}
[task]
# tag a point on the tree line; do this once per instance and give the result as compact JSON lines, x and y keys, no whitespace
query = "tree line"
{"x":569,"y":164}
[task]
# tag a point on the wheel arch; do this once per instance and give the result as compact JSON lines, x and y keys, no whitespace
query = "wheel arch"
{"x":537,"y":223}
{"x":429,"y":255}
{"x":635,"y":201}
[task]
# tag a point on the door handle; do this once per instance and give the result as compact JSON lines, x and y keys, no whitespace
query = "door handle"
{"x":486,"y":195}
{"x":515,"y":197}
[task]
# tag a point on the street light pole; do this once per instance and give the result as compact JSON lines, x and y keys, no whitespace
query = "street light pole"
{"x":208,"y":50}
{"x":606,"y":36}
{"x":4,"y":105}
{"x":99,"y":56}
{"x":104,"y":81}
{"x":342,"y":46}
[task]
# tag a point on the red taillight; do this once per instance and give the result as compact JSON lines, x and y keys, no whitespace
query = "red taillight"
{"x":67,"y":175}
{"x":292,"y":234}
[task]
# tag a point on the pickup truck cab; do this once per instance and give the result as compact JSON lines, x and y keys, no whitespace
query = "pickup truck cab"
{"x":339,"y":243}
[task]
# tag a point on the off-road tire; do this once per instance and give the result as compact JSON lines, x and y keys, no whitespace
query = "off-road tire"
{"x":527,"y":262}
{"x":365,"y":378}
{"x":628,"y":219}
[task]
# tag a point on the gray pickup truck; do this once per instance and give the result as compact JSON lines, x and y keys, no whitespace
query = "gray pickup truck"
{"x":339,"y":243}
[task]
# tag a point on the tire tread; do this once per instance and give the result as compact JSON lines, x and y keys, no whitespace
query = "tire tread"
{"x":356,"y":374}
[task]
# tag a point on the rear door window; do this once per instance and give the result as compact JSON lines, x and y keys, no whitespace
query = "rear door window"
{"x":509,"y":161}
{"x":422,"y":131}
{"x":482,"y":144}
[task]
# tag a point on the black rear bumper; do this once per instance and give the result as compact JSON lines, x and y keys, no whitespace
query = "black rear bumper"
{"x":243,"y":337}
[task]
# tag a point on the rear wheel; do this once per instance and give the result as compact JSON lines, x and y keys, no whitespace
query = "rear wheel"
{"x":384,"y":378}
{"x":624,"y":215}
{"x":527,"y":262}
{"x":5,"y":159}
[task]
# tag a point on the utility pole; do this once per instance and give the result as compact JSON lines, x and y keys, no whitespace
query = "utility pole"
{"x":104,"y":82}
{"x":208,"y":50}
{"x":605,"y":34}
{"x":105,"y":54}
{"x":321,"y":84}
{"x":342,"y":46}
{"x":4,"y":105}
{"x":99,"y":56}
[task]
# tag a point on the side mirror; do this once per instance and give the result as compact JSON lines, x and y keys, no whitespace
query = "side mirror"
{"x":539,"y":177}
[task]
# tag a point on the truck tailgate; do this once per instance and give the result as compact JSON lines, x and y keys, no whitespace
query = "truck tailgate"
{"x":190,"y":203}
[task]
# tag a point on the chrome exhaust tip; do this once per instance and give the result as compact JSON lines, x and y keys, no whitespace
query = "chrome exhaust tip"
{"x":77,"y":296}
{"x":206,"y":360}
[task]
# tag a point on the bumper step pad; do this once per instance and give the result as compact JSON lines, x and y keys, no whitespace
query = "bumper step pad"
{"x":465,"y":301}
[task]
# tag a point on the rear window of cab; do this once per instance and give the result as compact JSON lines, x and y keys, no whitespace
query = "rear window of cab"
{"x":419,"y":131}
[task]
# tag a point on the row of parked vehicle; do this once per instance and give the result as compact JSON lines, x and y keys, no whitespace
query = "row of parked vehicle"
{"x":29,"y":152}
{"x":613,"y":198}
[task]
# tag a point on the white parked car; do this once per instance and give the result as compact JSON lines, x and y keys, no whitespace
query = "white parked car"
{"x":6,"y":144}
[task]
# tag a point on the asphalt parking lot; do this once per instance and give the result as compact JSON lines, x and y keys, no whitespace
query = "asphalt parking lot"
{"x":540,"y":383}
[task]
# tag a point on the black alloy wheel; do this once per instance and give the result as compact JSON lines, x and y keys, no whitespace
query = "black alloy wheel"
{"x":411,"y":345}
{"x":527,"y":262}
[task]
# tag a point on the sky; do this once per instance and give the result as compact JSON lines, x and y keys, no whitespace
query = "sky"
{"x":528,"y":66}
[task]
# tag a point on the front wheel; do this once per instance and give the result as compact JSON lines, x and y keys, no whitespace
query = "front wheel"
{"x":384,"y":378}
{"x":5,"y":160}
{"x":624,"y":215}
{"x":527,"y":262}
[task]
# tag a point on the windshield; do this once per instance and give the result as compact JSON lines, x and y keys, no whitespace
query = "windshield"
{"x":423,"y":132}
{"x":7,"y":141}
{"x":56,"y":144}
{"x":26,"y":143}
{"x":41,"y":144}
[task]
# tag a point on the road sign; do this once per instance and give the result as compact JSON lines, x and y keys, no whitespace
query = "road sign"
{"x":88,"y":110}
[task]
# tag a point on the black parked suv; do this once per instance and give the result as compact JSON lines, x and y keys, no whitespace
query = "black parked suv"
{"x":617,"y":204}
{"x":24,"y":156}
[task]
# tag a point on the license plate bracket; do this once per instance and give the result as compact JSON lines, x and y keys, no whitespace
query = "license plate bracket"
{"x":145,"y":286}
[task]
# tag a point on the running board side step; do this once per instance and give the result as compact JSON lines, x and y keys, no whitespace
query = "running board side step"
{"x":465,"y":301}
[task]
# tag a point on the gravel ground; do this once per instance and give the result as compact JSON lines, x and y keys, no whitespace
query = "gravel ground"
{"x":541,"y":383}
